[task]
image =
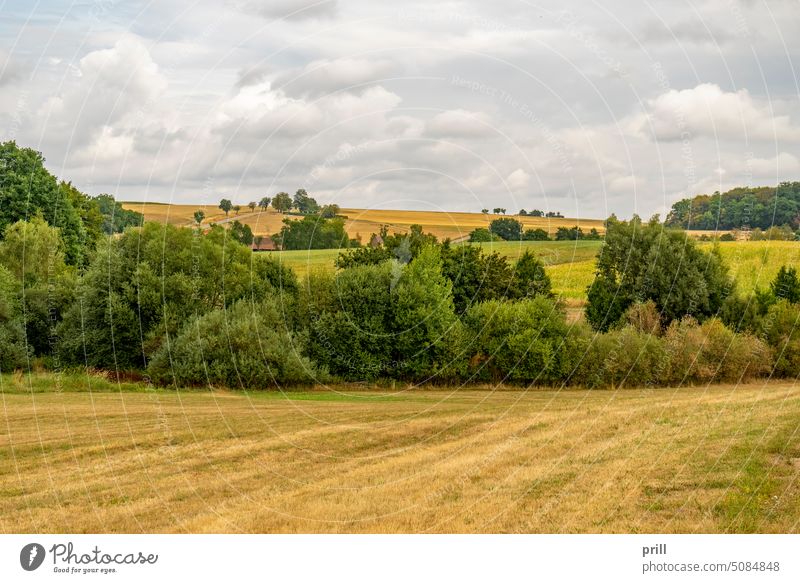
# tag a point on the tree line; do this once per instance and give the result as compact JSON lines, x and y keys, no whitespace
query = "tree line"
{"x":740,"y":208}
{"x":195,"y":307}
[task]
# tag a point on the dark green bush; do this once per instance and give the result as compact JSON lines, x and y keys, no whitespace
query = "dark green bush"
{"x":516,"y":340}
{"x":247,"y":346}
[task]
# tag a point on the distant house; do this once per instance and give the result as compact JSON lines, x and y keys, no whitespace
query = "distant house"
{"x":376,"y":240}
{"x":264,"y":244}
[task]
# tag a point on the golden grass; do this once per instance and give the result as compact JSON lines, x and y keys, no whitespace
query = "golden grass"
{"x":718,"y":459}
{"x":360,"y":222}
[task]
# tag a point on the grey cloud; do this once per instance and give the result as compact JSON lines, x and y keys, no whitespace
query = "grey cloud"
{"x":289,"y":9}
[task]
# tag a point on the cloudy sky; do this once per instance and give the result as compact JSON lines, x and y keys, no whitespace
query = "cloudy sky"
{"x":586,"y":108}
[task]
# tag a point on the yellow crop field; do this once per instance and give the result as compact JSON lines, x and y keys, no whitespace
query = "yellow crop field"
{"x":360,"y":222}
{"x":123,"y":458}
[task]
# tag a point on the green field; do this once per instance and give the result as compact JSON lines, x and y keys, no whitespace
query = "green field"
{"x":570,"y":264}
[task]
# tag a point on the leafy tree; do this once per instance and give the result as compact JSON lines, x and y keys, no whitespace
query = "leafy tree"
{"x":641,"y":262}
{"x":312,"y":232}
{"x":423,"y":316}
{"x":507,"y":229}
{"x":401,"y":246}
{"x":536,"y":213}
{"x":241,"y":233}
{"x":263,"y":204}
{"x":535,"y":235}
{"x":116,"y":219}
{"x":517,"y":341}
{"x":569,"y":233}
{"x":34,"y":254}
{"x":786,"y":285}
{"x":480,"y":235}
{"x":28,"y":188}
{"x":13,"y":350}
{"x":522,"y":213}
{"x":148,"y":283}
{"x":282,"y":202}
{"x":329,"y":211}
{"x":92,"y":217}
{"x":554,"y":214}
{"x":499,"y":210}
{"x":247,"y":346}
{"x":199,"y":215}
{"x":236,"y":209}
{"x":226,"y":206}
{"x":485,"y":211}
{"x":252,"y":206}
{"x":530,"y":277}
{"x":304,"y":203}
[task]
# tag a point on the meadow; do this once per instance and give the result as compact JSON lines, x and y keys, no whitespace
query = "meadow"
{"x":85,"y":454}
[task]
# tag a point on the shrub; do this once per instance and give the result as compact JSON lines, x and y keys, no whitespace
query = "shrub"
{"x":780,"y":328}
{"x":644,"y":317}
{"x":711,"y":352}
{"x":518,"y":341}
{"x":621,"y":358}
{"x":247,"y":346}
{"x":149,"y":283}
{"x":535,"y":235}
{"x":570,"y":233}
{"x":530,"y":278}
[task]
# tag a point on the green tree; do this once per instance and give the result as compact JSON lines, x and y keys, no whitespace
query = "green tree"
{"x":480,"y":235}
{"x":148,"y":283}
{"x":519,"y":341}
{"x":304,"y":203}
{"x":199,"y":215}
{"x":786,"y":285}
{"x":33,"y":252}
{"x":247,"y":346}
{"x":282,"y":202}
{"x":312,"y":232}
{"x":329,"y":211}
{"x":236,"y":209}
{"x":424,"y":316}
{"x":263,"y":204}
{"x":13,"y":350}
{"x":241,"y":233}
{"x":535,"y":235}
{"x":530,"y":278}
{"x":252,"y":206}
{"x":225,"y":205}
{"x":507,"y":229}
{"x":116,"y":219}
{"x":569,"y":233}
{"x":28,"y":188}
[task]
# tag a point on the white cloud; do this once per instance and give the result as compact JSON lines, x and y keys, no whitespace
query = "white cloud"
{"x":460,"y":123}
{"x":708,"y":111}
{"x":518,"y":179}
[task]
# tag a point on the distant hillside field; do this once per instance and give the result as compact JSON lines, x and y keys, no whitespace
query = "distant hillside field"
{"x":571,"y":264}
{"x":363,"y":222}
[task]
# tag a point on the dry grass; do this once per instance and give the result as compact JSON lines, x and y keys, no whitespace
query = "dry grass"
{"x":719,"y":459}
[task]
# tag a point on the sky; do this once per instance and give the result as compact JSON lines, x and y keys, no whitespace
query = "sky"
{"x":586,"y":108}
